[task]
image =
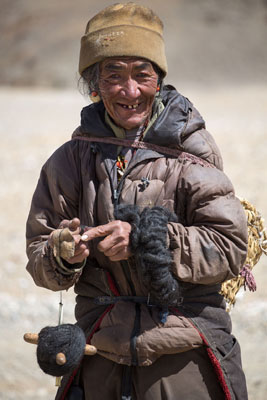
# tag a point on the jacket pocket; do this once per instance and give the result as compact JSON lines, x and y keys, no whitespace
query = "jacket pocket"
{"x":232,"y":366}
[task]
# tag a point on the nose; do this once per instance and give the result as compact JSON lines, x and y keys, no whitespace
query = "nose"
{"x":130,"y":88}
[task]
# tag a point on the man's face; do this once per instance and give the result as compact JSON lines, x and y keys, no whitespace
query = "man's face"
{"x":128,"y":86}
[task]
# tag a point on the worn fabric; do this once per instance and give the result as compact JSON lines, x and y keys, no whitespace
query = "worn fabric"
{"x":208,"y":243}
{"x":188,"y":375}
{"x":123,"y":30}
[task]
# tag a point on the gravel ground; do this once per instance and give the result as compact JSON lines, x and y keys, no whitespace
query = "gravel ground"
{"x":32,"y":124}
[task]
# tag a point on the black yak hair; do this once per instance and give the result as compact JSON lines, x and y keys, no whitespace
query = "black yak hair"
{"x":148,"y":242}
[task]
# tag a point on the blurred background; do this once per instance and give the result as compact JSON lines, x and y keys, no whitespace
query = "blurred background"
{"x":217,"y":57}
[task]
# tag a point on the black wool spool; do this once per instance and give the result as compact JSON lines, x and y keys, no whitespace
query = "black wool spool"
{"x":148,"y":241}
{"x":68,"y":339}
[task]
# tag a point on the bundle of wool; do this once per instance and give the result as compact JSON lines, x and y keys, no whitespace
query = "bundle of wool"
{"x":148,"y":241}
{"x":68,"y":339}
{"x":154,"y":257}
{"x":63,"y":243}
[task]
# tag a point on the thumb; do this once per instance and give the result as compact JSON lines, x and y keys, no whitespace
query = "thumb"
{"x":74,"y":224}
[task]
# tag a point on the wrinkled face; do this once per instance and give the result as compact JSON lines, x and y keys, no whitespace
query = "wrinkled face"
{"x":127,"y":87}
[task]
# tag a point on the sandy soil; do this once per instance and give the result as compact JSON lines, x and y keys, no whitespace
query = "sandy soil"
{"x":32,"y":124}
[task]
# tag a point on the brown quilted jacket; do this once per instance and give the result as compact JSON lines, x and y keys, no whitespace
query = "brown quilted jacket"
{"x":208,"y":243}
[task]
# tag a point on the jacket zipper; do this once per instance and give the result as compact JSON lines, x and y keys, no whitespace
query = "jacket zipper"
{"x":126,"y":268}
{"x":115,"y":194}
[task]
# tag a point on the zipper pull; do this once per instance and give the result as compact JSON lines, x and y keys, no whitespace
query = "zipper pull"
{"x":115,"y":194}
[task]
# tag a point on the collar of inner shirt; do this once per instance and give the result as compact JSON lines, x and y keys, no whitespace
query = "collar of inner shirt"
{"x":120,"y":133}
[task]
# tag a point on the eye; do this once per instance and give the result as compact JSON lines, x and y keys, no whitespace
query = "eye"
{"x":142,"y":75}
{"x":114,"y":76}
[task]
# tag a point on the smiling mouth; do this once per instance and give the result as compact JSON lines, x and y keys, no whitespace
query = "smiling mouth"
{"x":129,"y":107}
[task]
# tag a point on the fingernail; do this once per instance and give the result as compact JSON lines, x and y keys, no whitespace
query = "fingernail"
{"x":84,"y":237}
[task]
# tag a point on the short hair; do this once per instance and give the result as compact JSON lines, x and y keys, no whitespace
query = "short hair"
{"x":88,"y":82}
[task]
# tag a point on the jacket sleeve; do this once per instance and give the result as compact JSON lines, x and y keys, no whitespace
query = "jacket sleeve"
{"x":209,"y":245}
{"x":55,"y":198}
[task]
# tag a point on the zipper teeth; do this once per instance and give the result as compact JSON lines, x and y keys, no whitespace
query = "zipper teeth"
{"x":126,"y":173}
{"x":126,"y":268}
{"x":113,"y":190}
{"x":116,"y":193}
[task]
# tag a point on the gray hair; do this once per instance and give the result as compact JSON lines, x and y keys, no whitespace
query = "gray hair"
{"x":89,"y":79}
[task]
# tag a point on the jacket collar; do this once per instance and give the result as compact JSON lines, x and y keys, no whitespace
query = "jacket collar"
{"x":169,"y":128}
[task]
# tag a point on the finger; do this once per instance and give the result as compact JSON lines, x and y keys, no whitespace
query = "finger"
{"x":98,"y":231}
{"x":77,"y":239}
{"x":74,"y":224}
{"x":112,"y":242}
{"x":64,"y":224}
{"x":113,"y":251}
{"x":79,"y":258}
{"x":122,"y":255}
{"x":119,"y":228}
{"x":80,"y":248}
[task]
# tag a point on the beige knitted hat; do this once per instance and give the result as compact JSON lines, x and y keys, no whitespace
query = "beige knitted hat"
{"x":123,"y":30}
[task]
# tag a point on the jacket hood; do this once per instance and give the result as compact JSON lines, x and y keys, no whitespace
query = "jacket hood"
{"x":179,"y":125}
{"x":176,"y":121}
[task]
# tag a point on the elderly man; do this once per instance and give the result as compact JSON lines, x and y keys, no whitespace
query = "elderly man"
{"x":156,"y":224}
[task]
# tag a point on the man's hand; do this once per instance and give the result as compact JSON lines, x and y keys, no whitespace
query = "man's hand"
{"x":116,"y":243}
{"x":81,"y":251}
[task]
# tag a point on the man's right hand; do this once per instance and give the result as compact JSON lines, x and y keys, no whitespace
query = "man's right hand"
{"x":81,"y":251}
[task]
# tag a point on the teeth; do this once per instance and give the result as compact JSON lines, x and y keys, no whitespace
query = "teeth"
{"x":130,"y":107}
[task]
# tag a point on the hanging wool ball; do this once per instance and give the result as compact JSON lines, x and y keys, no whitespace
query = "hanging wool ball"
{"x":60,"y":349}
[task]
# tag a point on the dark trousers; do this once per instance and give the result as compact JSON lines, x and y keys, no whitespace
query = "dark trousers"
{"x":184,"y":376}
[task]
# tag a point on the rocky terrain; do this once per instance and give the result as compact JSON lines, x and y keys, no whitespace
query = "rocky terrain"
{"x":221,"y":68}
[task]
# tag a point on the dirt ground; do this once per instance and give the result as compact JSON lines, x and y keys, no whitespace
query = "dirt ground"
{"x":32,"y":124}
